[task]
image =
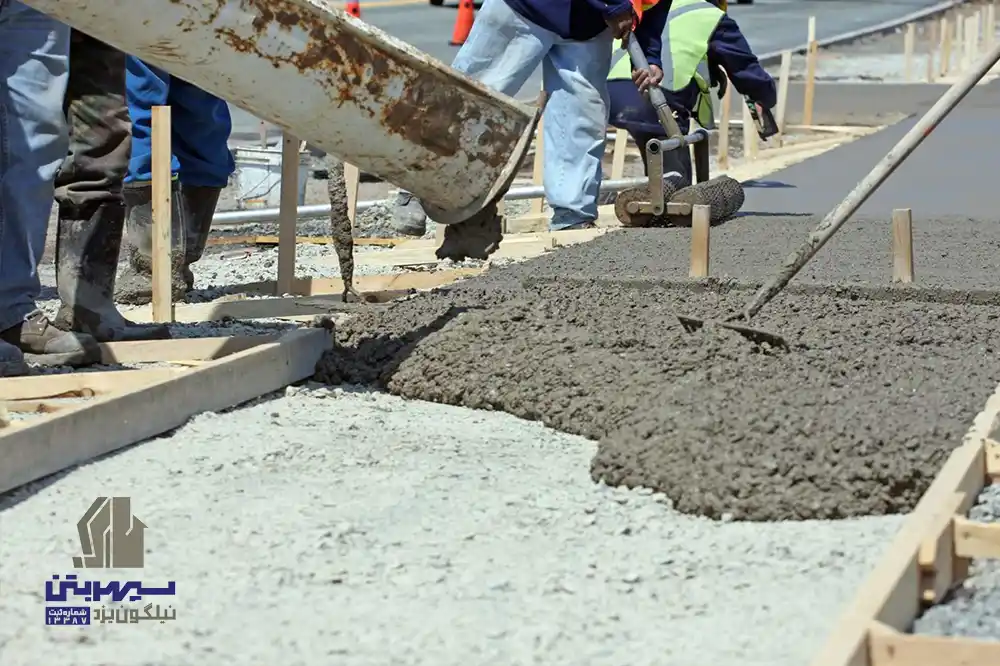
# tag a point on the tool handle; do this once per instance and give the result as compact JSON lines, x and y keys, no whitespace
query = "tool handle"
{"x":836,"y":218}
{"x":767,"y":126}
{"x":656,"y":96}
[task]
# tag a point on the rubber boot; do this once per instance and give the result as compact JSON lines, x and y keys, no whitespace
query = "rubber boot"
{"x":199,"y":207}
{"x":12,"y":362}
{"x":408,"y":216}
{"x":135,"y":282}
{"x":86,"y":262}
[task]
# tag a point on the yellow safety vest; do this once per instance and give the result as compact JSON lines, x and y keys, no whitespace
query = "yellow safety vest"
{"x":690,"y":24}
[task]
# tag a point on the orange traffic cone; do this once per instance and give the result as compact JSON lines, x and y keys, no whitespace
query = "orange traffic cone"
{"x":353,"y":8}
{"x":463,"y":22}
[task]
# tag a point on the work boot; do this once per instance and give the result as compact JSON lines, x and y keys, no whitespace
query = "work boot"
{"x":135,"y":282}
{"x":476,"y":238}
{"x":408,"y":216}
{"x":11,"y":361}
{"x":86,"y":262}
{"x":44,"y":344}
{"x":199,"y":207}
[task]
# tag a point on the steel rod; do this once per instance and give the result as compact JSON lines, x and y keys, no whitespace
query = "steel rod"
{"x":237,"y":217}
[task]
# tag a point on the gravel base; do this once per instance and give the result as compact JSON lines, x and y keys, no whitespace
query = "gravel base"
{"x":973,"y":609}
{"x":350,"y":527}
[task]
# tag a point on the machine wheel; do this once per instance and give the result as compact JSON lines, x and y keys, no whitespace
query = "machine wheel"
{"x":725,"y":195}
{"x":642,"y":220}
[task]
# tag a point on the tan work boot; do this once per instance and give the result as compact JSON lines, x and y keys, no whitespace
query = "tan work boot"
{"x":86,"y":262}
{"x":44,"y":344}
{"x":135,"y":281}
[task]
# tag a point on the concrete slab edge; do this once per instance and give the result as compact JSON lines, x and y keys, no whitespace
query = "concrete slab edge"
{"x":921,"y":558}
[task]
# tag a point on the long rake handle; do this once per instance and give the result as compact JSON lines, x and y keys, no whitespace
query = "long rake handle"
{"x":836,"y":218}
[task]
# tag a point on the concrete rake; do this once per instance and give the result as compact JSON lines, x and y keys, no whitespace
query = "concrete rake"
{"x":836,"y":218}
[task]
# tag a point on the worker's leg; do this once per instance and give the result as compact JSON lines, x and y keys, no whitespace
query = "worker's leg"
{"x":202,"y":126}
{"x":34,"y":53}
{"x":89,"y":194}
{"x":575,"y":75}
{"x":146,"y":87}
{"x":502,"y":52}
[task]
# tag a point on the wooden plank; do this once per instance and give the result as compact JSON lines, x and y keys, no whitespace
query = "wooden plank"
{"x":975,"y":539}
{"x":618,"y":155}
{"x":304,"y":240}
{"x":784,"y":78}
{"x":54,"y":443}
{"x":538,"y":167}
{"x":891,"y":648}
{"x":184,"y":349}
{"x":891,"y":593}
{"x":936,"y":556}
{"x":162,"y":209}
{"x":80,"y":384}
{"x":992,"y":459}
{"x":288,"y":215}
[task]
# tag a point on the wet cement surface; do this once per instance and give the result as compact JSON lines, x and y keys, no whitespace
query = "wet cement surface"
{"x":855,"y":420}
{"x":953,"y":172}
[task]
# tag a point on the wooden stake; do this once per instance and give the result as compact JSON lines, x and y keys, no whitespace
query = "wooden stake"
{"x":162,"y":259}
{"x":749,"y":135}
{"x":701,"y":217}
{"x":538,"y":168}
{"x":991,"y":25}
{"x":909,"y":38}
{"x":727,"y":103}
{"x":288,"y":213}
{"x":960,"y":43}
{"x":618,"y":155}
{"x":810,"y":91}
{"x":902,"y":245}
{"x":932,"y":40}
{"x":784,"y":74}
{"x":945,"y":47}
{"x":352,"y":181}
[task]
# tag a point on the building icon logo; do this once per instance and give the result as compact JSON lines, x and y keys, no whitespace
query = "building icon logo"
{"x":110,"y":536}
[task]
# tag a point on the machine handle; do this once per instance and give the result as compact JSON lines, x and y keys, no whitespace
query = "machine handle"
{"x":656,"y":96}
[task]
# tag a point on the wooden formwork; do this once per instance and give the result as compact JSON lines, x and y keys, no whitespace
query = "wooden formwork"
{"x":928,"y":557}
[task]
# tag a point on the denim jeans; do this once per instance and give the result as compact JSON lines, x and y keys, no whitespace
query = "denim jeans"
{"x":200,"y":121}
{"x":502,"y":51}
{"x":34,"y":68}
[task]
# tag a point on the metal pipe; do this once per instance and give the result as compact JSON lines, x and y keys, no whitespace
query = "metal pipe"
{"x":238,"y":217}
{"x":684,"y":141}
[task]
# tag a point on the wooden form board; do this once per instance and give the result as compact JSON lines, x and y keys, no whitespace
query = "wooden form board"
{"x":929,"y":555}
{"x":129,"y":406}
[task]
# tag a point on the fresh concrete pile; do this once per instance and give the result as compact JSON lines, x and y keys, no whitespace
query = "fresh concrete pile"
{"x":973,"y":610}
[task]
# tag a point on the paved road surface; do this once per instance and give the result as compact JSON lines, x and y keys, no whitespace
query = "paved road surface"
{"x":953,"y":172}
{"x":770,"y":25}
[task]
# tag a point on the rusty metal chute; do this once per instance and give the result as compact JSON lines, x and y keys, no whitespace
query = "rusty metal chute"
{"x":326,"y":77}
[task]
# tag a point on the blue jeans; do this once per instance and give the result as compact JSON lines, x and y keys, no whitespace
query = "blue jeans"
{"x":502,"y":51}
{"x":34,"y":70}
{"x":200,"y":121}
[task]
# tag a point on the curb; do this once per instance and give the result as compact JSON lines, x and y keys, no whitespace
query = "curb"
{"x":774,"y":57}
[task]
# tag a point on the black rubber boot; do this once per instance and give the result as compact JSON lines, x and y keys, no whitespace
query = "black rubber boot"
{"x":86,"y":262}
{"x":199,"y":207}
{"x":135,"y":282}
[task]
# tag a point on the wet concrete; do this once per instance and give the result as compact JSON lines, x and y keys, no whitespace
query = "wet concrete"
{"x":951,"y":173}
{"x":855,"y":420}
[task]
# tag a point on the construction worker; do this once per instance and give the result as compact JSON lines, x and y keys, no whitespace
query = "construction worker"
{"x":201,"y":165}
{"x":571,"y":40}
{"x":697,"y":31}
{"x":34,"y":50}
{"x":89,"y":195}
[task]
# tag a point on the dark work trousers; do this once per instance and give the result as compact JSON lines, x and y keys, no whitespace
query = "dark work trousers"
{"x":99,"y":129}
{"x":630,"y":111}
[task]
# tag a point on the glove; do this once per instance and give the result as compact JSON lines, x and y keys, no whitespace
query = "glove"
{"x":717,"y":79}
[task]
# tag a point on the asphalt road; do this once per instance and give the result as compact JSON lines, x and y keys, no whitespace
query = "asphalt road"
{"x":770,"y":25}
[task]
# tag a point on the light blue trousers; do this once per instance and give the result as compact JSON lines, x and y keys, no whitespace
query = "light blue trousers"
{"x":502,"y":51}
{"x":34,"y":68}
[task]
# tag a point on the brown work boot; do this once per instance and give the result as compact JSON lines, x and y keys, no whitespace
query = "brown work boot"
{"x":86,"y":262}
{"x":199,"y":207}
{"x":476,"y":238}
{"x":135,"y":281}
{"x":44,"y":344}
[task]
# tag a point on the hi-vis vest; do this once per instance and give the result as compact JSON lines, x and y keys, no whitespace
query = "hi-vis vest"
{"x":690,"y":24}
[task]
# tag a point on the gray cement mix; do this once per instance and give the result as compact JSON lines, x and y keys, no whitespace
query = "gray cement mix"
{"x":973,"y":609}
{"x":856,"y":420}
{"x":356,"y":528}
